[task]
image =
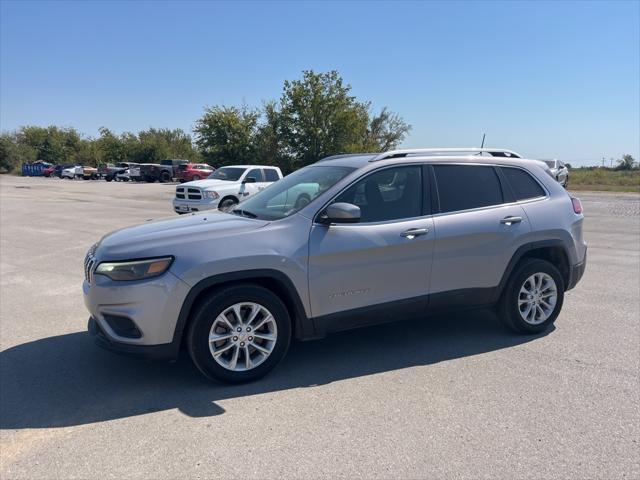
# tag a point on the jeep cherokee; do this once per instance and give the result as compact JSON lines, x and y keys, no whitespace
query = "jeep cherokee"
{"x":383,"y":237}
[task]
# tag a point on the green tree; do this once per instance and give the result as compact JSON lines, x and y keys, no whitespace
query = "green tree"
{"x":52,"y":144}
{"x":13,"y":154}
{"x":386,"y":131}
{"x":112,"y":148}
{"x":319,"y":117}
{"x":627,"y":162}
{"x":227,"y":135}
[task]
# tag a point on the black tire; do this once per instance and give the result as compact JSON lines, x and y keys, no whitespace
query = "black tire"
{"x":108,"y":178}
{"x":227,"y":204}
{"x":508,"y":308}
{"x":209,"y":309}
{"x":566,"y":182}
{"x":165,"y":176}
{"x":195,"y":178}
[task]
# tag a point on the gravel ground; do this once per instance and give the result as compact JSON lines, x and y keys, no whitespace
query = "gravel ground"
{"x":450,"y":397}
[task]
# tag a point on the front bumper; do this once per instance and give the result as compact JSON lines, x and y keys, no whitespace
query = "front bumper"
{"x":168,"y":351}
{"x":138,"y":314}
{"x":188,"y":206}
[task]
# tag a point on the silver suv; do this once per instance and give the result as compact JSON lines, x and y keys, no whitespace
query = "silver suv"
{"x":382,"y":237}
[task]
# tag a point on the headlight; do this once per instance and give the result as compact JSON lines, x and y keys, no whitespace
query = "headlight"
{"x":135,"y":269}
{"x":211,"y":194}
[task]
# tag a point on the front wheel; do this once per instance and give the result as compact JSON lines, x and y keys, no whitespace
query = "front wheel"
{"x":533,"y":297}
{"x":239,"y":334}
{"x":227,"y":204}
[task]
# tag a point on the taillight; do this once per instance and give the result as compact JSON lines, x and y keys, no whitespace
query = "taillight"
{"x":577,"y":205}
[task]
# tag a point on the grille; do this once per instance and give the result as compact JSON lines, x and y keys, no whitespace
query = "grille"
{"x":190,"y":193}
{"x":90,"y":263}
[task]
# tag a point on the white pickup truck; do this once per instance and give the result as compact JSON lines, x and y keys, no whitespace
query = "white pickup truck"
{"x":224,"y":188}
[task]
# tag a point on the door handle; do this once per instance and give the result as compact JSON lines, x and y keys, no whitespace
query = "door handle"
{"x":414,"y":232}
{"x":511,"y":220}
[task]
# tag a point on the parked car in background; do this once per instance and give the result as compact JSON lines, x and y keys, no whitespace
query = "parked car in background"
{"x":90,"y":173}
{"x":57,"y":170}
{"x":49,"y":171}
{"x":224,"y":188}
{"x":120,"y":168}
{"x":72,"y":172}
{"x":150,"y":172}
{"x":104,"y":169}
{"x":169,"y":169}
{"x":124,"y":175}
{"x":134,"y":172}
{"x":559,"y":171}
{"x":389,"y":236}
{"x":190,"y":172}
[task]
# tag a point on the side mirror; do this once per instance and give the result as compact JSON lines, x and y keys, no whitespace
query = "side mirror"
{"x":342,"y":213}
{"x":249,"y":180}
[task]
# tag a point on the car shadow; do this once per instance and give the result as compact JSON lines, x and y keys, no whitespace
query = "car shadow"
{"x":66,"y":380}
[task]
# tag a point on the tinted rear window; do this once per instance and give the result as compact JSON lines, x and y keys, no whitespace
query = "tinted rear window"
{"x":462,"y":187}
{"x":522,"y":184}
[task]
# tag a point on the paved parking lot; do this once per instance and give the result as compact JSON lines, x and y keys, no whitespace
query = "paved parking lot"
{"x":450,"y":397}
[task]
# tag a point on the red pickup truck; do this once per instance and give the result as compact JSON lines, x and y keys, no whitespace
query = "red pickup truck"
{"x":194,"y":171}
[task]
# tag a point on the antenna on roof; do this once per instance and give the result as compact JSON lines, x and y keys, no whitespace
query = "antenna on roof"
{"x":483,"y":135}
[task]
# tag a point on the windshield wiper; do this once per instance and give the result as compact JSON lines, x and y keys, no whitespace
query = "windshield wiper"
{"x":244,"y":213}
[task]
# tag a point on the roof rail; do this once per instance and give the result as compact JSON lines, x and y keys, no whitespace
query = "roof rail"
{"x":344,"y":155}
{"x":494,"y":152}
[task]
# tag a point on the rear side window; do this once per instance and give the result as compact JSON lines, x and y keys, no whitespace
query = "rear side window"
{"x":462,"y":187}
{"x":522,"y":184}
{"x":271,"y":175}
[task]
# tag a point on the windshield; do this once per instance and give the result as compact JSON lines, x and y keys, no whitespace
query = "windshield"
{"x":231,"y":174}
{"x":292,"y":193}
{"x":551,"y":163}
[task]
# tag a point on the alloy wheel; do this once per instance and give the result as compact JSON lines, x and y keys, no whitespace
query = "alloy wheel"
{"x":243,"y":336}
{"x":537,"y":298}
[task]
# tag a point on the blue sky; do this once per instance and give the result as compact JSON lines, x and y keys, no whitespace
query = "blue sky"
{"x":548,"y":79}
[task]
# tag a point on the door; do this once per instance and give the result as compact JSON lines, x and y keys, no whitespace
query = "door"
{"x":383,"y":259}
{"x":247,"y":189}
{"x":477,"y":231}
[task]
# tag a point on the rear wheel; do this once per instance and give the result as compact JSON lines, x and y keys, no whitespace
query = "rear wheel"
{"x":165,"y":176}
{"x":239,"y":334}
{"x":533,"y":297}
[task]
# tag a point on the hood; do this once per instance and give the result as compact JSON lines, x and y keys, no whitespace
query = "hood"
{"x":164,"y":237}
{"x":209,"y":184}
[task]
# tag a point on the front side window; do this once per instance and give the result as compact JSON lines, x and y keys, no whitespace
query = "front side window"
{"x":255,"y":173}
{"x":295,"y":191}
{"x":523,"y":185}
{"x":231,"y":174}
{"x":463,"y":187}
{"x":390,"y":194}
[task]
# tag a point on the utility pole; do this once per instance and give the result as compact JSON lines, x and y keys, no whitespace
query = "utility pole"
{"x":602,"y":162}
